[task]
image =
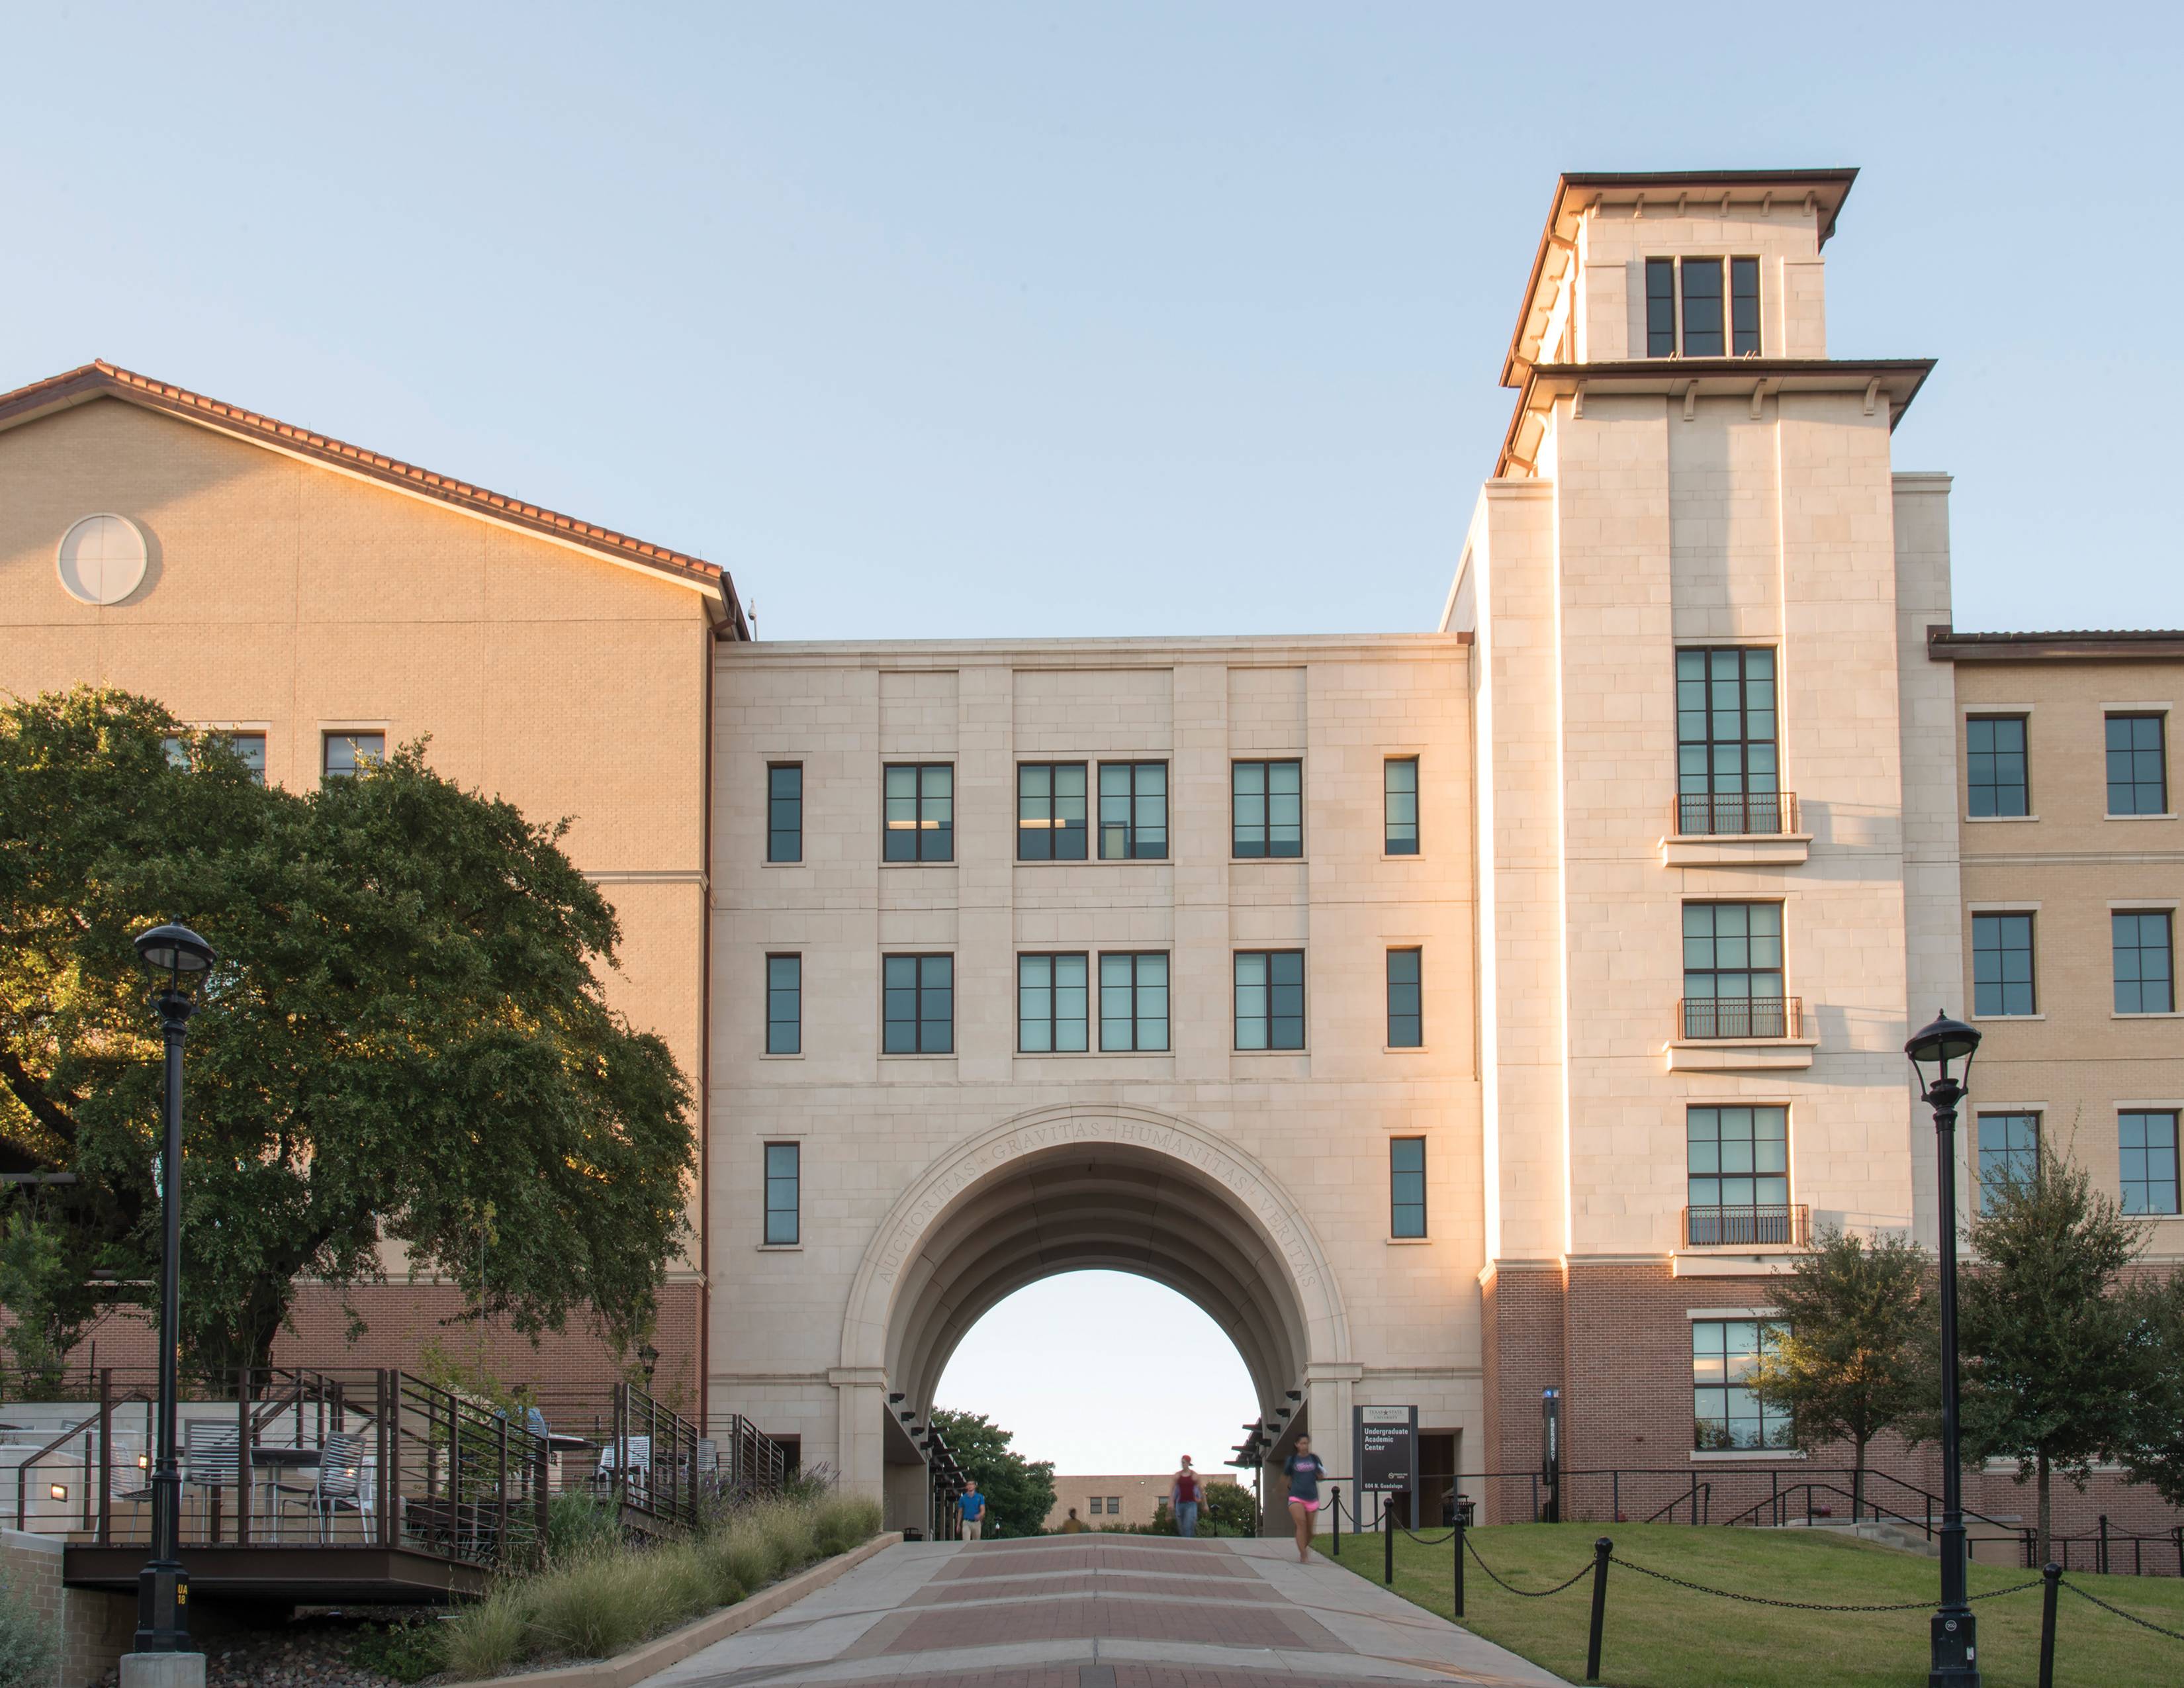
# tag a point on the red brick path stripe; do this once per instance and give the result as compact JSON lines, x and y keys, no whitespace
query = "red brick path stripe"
{"x":1099,"y":1617}
{"x":1094,"y":1582}
{"x":1185,"y":1559}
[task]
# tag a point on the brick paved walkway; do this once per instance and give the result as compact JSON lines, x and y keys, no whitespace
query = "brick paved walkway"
{"x":1115,"y":1613}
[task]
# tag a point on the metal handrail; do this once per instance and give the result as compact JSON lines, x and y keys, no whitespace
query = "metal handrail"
{"x":1700,"y":1018}
{"x":1749,"y":1224}
{"x":1733,"y":814}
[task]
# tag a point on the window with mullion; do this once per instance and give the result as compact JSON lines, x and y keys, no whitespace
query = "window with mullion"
{"x":1660,"y":307}
{"x":1701,"y":279}
{"x":920,"y":820}
{"x":2008,"y":1151}
{"x":1738,"y":1159}
{"x":2138,"y":774}
{"x":2001,"y":965}
{"x":1407,"y":1186}
{"x":1744,"y":306}
{"x":1728,"y":773}
{"x":1399,"y":804}
{"x":2146,"y":1142}
{"x":2145,"y":981}
{"x":785,"y":1005}
{"x":1269,"y":999}
{"x":1725,"y":1413}
{"x":1406,"y":1023}
{"x":1267,"y":811}
{"x":1050,"y":812}
{"x":784,"y":1182}
{"x":1134,"y":1003}
{"x":1996,"y":781}
{"x":1133,"y":812}
{"x":1051,"y":1004}
{"x":919,"y":1011}
{"x":1733,"y":970}
{"x":785,"y":811}
{"x":347,"y":753}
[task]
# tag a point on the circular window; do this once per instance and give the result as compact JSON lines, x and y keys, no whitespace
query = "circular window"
{"x":102,"y":559}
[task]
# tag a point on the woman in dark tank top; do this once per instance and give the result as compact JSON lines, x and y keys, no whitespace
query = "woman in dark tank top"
{"x":1303,"y":1470}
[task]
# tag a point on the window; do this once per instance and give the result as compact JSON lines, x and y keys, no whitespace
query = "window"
{"x":2002,"y":964}
{"x":248,"y":747}
{"x":1133,"y":1002}
{"x":784,"y":1175}
{"x":1114,"y":1506}
{"x":1133,"y":812}
{"x":1096,"y":1505}
{"x":1050,"y":1004}
{"x":1660,"y":307}
{"x":1270,"y":999}
{"x":1405,"y":1030}
{"x":2145,"y":979}
{"x":1702,"y":323}
{"x":1727,"y":771}
{"x":1744,"y":306}
{"x":1737,"y":1175}
{"x":785,"y":811}
{"x":920,"y":812}
{"x":346,"y":753}
{"x":1407,"y":1186}
{"x":2149,"y":1144}
{"x":1733,"y":970}
{"x":1725,"y":1413}
{"x":2008,"y":1151}
{"x":1400,"y":803}
{"x":1704,"y":332}
{"x":1994,"y":765}
{"x":2138,"y":780}
{"x":1268,"y":812}
{"x":1050,"y":812}
{"x":785,"y":1005}
{"x":920,"y":1009}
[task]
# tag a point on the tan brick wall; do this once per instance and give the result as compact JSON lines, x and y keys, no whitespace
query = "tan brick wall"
{"x":1141,"y":1497}
{"x":92,"y":1629}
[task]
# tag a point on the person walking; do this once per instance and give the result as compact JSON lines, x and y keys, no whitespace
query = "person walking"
{"x":1303,"y":1470}
{"x":1183,"y":1498}
{"x":973,"y":1506}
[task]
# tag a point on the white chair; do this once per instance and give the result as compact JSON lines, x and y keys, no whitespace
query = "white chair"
{"x":210,"y":1458}
{"x":338,"y":1485}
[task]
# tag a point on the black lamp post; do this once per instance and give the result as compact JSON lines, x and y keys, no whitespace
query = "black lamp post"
{"x":178,"y":958}
{"x":1942,"y":1055}
{"x":649,"y":1357}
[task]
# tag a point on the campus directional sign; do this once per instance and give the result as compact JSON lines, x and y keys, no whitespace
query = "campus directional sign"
{"x":1386,"y":1457}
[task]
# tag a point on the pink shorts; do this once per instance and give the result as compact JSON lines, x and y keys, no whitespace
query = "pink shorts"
{"x":1309,"y":1505}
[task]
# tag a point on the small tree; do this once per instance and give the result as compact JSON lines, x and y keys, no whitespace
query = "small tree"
{"x":2052,"y":1365}
{"x":2154,"y":1451}
{"x":46,"y":1309}
{"x":1849,"y":1364}
{"x":1019,"y":1492}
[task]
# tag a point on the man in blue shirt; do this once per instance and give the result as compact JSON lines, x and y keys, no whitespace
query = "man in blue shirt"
{"x":973,"y":1508}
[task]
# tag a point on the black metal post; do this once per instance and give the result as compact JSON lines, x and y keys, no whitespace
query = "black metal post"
{"x":1338,"y":1520}
{"x":1458,"y":1537}
{"x":163,"y":1587}
{"x":1388,"y":1537}
{"x":2052,"y":1579}
{"x":1953,"y":1652}
{"x":1600,"y":1548}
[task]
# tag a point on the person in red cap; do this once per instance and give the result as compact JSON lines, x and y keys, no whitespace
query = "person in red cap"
{"x":1184,"y":1494}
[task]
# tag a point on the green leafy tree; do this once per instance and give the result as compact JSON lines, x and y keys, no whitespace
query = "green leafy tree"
{"x":1019,"y":1492}
{"x":44,"y":1316}
{"x":404,"y":1040}
{"x":2052,"y":1365}
{"x":1848,"y":1361}
{"x":1224,"y":1509}
{"x":2153,"y":1450}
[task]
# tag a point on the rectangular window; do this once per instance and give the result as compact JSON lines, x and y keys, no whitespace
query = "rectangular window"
{"x":2148,"y":1143}
{"x":2145,"y":977}
{"x":1134,"y":1003}
{"x":1405,"y":1027}
{"x":785,"y":811}
{"x":1725,"y":1411}
{"x":1051,"y":998}
{"x":1269,"y":808}
{"x":920,"y":812}
{"x":1133,"y":812}
{"x":1733,"y":970}
{"x":1744,"y":305}
{"x":1050,"y":811}
{"x":1114,"y":1506}
{"x":1703,"y":323}
{"x":2138,"y":776}
{"x":1737,"y":1179}
{"x":1995,"y":775}
{"x":2008,"y":1151}
{"x":1270,"y":999}
{"x":2002,"y":964}
{"x":1728,"y":773}
{"x":1407,"y":1186}
{"x":1399,"y":801}
{"x":248,"y":748}
{"x":920,"y":1010}
{"x":346,"y":753}
{"x":785,"y":1005}
{"x":1096,"y":1505}
{"x":1660,"y":307}
{"x":784,"y":1175}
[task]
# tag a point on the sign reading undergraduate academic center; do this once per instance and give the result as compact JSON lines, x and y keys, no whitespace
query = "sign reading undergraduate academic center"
{"x":1387,"y":1456}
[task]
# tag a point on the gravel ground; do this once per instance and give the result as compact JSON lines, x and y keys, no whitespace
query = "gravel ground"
{"x":310,"y":1651}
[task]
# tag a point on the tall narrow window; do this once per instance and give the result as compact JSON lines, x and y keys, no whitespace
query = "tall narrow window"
{"x":1725,"y":1413}
{"x":2145,"y":975}
{"x":1400,"y":803}
{"x":783,"y":1176}
{"x":1050,"y":812}
{"x":785,"y":811}
{"x":2138,"y":776}
{"x":1407,"y":1186}
{"x":1269,"y":808}
{"x":1405,"y":1027}
{"x":2002,"y":964}
{"x":785,"y":1005}
{"x":1051,"y":1002}
{"x":1133,"y":1002}
{"x":1737,"y":1179}
{"x":2147,"y":1140}
{"x":1270,"y":999}
{"x":1733,"y":970}
{"x":1728,"y":777}
{"x":1133,"y":812}
{"x":1703,"y":323}
{"x":2008,"y":1151}
{"x":920,"y":812}
{"x":920,"y":1008}
{"x":346,"y":753}
{"x":1996,"y":780}
{"x":1660,"y":307}
{"x":1744,"y":305}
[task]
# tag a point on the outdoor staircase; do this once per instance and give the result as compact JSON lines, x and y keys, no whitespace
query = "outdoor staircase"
{"x":1885,"y":1532}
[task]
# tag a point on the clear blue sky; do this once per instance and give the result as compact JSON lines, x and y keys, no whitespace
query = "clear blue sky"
{"x":1037,"y":319}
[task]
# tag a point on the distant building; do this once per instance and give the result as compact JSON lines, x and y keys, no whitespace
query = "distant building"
{"x":1117,"y":1502}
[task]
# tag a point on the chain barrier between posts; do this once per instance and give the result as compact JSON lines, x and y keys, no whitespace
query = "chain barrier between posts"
{"x":1584,"y":1571}
{"x":1811,"y":1605}
{"x":2128,"y":1617}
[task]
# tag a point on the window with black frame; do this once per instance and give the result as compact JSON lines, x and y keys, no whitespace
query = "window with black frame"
{"x":785,"y":1005}
{"x":1133,"y":812}
{"x":1737,"y":1176}
{"x":1052,"y":999}
{"x":785,"y":811}
{"x":1134,"y":1003}
{"x":2145,"y":970}
{"x":2146,"y":1142}
{"x":1407,"y":1187}
{"x":1400,"y":805}
{"x":2138,"y":765}
{"x":1406,"y":1013}
{"x":1728,"y":768}
{"x":1688,"y":314}
{"x":1050,"y":824}
{"x":2001,"y":965}
{"x":1269,"y":999}
{"x":2008,"y":1151}
{"x":919,"y":1010}
{"x":784,"y":1179}
{"x":1726,"y":1413}
{"x":1267,"y":811}
{"x":1997,"y":783}
{"x":920,"y":819}
{"x":1733,"y":972}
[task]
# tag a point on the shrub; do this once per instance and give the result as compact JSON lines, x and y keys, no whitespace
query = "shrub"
{"x":27,"y":1653}
{"x":741,"y":1554}
{"x":408,"y":1652}
{"x":485,"y":1638}
{"x":842,"y":1521}
{"x":577,"y":1524}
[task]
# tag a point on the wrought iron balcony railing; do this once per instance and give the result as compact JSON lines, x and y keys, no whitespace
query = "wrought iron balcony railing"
{"x":1735,"y":814}
{"x":1740,"y":1016}
{"x":1779,"y":1223}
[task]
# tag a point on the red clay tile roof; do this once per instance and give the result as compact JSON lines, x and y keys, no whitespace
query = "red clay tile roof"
{"x":101,"y":379}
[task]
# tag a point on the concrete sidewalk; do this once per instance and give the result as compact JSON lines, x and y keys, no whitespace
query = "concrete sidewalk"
{"x":1101,"y":1612}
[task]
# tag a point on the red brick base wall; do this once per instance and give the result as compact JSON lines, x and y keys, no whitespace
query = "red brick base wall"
{"x":1525,"y":1344}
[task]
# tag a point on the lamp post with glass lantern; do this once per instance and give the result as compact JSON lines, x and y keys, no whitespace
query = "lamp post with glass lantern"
{"x":1942,"y":1055}
{"x":179,"y":959}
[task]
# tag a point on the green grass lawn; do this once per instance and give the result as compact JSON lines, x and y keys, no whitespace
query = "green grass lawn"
{"x":1659,"y":1635}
